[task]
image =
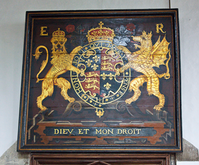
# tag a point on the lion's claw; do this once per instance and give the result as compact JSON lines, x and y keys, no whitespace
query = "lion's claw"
{"x":71,"y":100}
{"x":128,"y":101}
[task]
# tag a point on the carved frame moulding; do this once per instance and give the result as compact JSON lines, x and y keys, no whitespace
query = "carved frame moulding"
{"x":101,"y":81}
{"x":100,"y":159}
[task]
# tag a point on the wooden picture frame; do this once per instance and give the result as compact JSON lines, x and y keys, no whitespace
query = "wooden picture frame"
{"x":100,"y":159}
{"x":101,"y":81}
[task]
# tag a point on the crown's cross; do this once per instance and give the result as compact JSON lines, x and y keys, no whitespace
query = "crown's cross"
{"x":100,"y":24}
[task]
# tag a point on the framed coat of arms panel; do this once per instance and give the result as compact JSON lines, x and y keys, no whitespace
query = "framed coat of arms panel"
{"x":101,"y":81}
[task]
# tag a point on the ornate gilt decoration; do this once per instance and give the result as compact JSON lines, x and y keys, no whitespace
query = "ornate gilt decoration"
{"x":61,"y":63}
{"x":107,"y":81}
{"x":95,"y":67}
{"x":100,"y":59}
{"x":143,"y":61}
{"x":100,"y":33}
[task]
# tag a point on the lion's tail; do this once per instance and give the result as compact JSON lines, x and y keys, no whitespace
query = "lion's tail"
{"x":44,"y":62}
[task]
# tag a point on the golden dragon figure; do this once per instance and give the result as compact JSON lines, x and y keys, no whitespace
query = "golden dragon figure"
{"x":143,"y":61}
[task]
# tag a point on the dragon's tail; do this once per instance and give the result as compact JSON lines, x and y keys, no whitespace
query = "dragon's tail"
{"x":167,"y":74}
{"x":44,"y":62}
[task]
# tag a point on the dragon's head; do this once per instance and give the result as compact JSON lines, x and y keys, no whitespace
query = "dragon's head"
{"x":144,"y":40}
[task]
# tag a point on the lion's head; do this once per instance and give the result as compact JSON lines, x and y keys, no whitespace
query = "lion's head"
{"x":58,"y":41}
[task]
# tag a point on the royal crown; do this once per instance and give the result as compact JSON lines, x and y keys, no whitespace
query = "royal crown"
{"x":58,"y":33}
{"x":100,"y":33}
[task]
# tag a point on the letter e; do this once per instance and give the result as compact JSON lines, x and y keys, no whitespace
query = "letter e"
{"x":43,"y":31}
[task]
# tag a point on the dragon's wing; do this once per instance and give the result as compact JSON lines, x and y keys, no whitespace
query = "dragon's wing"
{"x":159,"y":52}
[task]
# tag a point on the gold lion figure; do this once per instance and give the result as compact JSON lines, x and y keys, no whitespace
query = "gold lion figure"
{"x":143,"y":61}
{"x":61,"y":63}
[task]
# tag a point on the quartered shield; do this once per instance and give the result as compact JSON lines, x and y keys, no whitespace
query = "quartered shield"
{"x":100,"y":82}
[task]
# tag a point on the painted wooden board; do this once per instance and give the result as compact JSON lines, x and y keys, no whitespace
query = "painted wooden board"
{"x":101,"y":81}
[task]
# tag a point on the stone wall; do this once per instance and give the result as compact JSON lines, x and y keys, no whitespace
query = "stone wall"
{"x":12,"y":157}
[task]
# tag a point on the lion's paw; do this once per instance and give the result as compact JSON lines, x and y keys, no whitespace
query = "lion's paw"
{"x":128,"y":101}
{"x":71,"y":99}
{"x":158,"y":107}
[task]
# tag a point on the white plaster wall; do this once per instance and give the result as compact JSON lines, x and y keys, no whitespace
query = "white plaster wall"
{"x":188,"y":163}
{"x":12,"y":20}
